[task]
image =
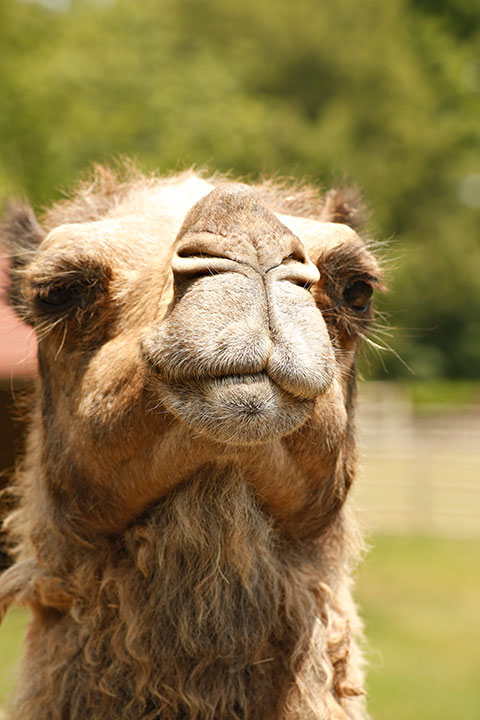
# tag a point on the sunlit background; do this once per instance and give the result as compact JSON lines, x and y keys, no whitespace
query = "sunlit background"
{"x":382,"y":94}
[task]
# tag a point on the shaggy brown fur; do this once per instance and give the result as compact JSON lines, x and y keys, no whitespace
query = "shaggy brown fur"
{"x":181,"y":537}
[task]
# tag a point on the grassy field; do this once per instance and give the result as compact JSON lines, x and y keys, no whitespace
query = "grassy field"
{"x":420,"y":598}
{"x":11,"y":633}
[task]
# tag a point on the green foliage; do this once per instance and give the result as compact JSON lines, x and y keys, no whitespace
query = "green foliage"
{"x":386,"y":94}
{"x":427,"y":395}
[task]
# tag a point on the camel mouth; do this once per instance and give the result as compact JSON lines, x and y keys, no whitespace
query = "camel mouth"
{"x":240,"y":409}
{"x":240,"y":379}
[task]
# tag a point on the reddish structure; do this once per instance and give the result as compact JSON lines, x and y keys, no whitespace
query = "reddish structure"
{"x":18,"y":364}
{"x":18,"y":352}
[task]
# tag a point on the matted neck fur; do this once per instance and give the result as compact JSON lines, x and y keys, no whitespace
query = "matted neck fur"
{"x":181,"y":536}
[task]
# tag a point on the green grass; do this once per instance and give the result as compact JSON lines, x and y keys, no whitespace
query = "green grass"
{"x":11,"y":633}
{"x":420,"y":598}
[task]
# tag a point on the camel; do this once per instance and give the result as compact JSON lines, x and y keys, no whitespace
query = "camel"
{"x":181,"y":535}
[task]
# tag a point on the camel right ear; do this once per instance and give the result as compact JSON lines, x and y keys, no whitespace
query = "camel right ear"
{"x":20,"y":233}
{"x":20,"y":236}
{"x":344,"y":205}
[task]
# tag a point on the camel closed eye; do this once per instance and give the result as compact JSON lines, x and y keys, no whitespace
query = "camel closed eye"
{"x":56,"y":298}
{"x":61,"y":286}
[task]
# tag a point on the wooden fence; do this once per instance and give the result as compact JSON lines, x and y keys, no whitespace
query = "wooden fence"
{"x":420,"y":470}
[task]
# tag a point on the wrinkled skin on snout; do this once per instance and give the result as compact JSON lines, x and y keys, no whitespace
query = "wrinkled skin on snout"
{"x":203,"y":329}
{"x":243,"y":352}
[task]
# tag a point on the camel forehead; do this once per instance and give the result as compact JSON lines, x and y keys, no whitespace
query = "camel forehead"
{"x":148,"y":218}
{"x":105,"y":232}
{"x":153,"y":219}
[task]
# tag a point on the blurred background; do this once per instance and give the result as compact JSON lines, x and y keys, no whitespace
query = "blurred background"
{"x":384,"y":94}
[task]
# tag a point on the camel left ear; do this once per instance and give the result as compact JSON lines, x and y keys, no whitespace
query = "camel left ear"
{"x":20,"y":236}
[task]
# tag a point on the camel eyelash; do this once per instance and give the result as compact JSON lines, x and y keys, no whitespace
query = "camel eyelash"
{"x":68,"y":291}
{"x":60,"y":297}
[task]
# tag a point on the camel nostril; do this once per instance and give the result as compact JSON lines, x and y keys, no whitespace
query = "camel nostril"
{"x":294,"y":257}
{"x":296,"y":268}
{"x":190,"y":262}
{"x":195,"y":253}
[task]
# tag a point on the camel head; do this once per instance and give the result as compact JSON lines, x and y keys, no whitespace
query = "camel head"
{"x":182,"y":323}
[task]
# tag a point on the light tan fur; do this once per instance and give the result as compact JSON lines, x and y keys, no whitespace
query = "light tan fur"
{"x":181,"y":536}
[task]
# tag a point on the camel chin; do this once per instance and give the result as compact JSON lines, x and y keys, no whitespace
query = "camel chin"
{"x":239,"y":409}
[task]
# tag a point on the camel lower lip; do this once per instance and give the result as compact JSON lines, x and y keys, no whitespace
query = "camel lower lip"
{"x":237,"y":408}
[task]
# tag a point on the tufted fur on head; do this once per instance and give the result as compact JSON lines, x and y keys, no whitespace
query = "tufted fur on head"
{"x":181,"y":536}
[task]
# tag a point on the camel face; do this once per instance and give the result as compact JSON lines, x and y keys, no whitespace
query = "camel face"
{"x":189,"y":315}
{"x":243,"y":352}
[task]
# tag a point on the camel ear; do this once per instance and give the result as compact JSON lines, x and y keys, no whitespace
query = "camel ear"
{"x":20,"y":236}
{"x":344,"y":205}
{"x":20,"y":233}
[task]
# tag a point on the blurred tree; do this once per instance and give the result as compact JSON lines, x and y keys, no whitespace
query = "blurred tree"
{"x":384,"y":93}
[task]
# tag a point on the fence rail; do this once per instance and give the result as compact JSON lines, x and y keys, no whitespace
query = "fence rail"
{"x":420,"y":471}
